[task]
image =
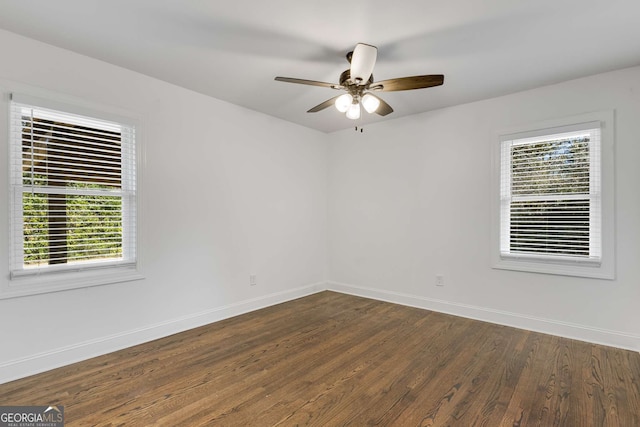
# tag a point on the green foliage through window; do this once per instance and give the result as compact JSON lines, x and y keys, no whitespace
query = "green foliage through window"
{"x":70,"y":175}
{"x":93,"y":228}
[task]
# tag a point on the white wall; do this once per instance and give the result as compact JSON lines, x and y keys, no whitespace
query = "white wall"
{"x":411,"y":198}
{"x":226,"y":192}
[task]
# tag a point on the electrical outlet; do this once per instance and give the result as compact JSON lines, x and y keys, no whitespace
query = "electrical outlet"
{"x":439,"y":280}
{"x":252,"y":280}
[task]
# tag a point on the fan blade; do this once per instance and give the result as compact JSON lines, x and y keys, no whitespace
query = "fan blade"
{"x":362,"y":62}
{"x":326,"y":104}
{"x":307,"y":82}
{"x":384,"y":108}
{"x":408,"y":83}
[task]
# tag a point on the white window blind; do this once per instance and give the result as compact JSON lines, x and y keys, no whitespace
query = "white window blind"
{"x":550,"y":195}
{"x":73,"y":184}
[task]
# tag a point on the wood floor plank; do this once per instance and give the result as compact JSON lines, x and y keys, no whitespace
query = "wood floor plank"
{"x":445,"y":398}
{"x":332,"y":359}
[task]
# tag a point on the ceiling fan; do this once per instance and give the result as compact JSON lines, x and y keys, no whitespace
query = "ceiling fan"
{"x":358,"y":82}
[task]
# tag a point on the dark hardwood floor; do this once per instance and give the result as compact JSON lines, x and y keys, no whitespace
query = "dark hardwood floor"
{"x":332,"y":359}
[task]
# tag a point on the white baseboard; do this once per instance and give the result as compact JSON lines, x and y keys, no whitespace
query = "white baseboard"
{"x":56,"y":358}
{"x":553,"y":327}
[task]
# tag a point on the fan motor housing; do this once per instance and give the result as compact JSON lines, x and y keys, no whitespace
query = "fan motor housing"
{"x":345,"y":79}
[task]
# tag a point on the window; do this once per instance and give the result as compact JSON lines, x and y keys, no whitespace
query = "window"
{"x":73,"y":185}
{"x":551,"y":204}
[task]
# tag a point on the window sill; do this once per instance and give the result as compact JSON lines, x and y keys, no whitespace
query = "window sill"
{"x":63,"y":281}
{"x":577,"y":269}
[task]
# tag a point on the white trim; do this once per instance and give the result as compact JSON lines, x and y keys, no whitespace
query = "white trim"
{"x":92,"y":111}
{"x":64,"y":280}
{"x":53,"y":280}
{"x":559,"y":129}
{"x":31,"y":365}
{"x":606,"y":268}
{"x":574,"y":331}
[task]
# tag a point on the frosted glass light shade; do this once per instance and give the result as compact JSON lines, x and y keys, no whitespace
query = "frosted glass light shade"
{"x":353,"y":112}
{"x":370,"y":103}
{"x":343,"y":102}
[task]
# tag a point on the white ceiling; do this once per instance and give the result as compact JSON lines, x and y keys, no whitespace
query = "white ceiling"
{"x":232,"y":50}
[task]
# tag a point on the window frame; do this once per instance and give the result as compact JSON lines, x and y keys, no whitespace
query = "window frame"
{"x":604,"y":268}
{"x":71,"y":277}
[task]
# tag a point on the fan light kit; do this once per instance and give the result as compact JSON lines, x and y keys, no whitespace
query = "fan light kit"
{"x":358,"y":83}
